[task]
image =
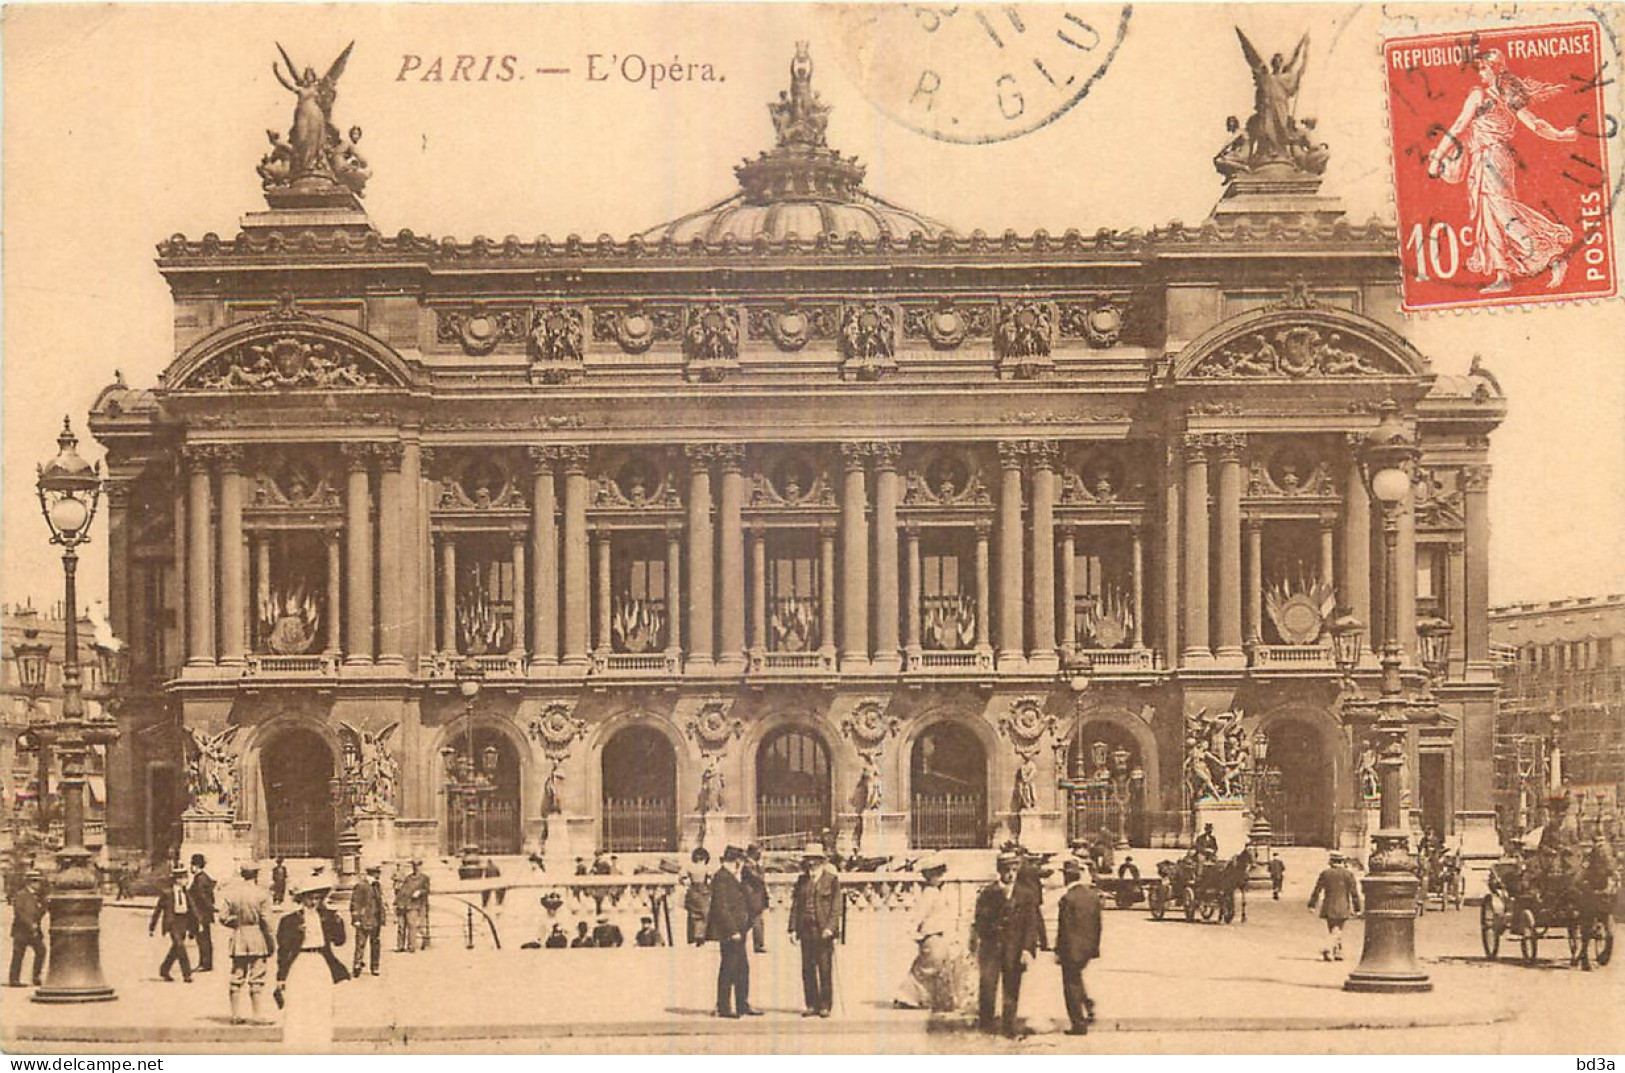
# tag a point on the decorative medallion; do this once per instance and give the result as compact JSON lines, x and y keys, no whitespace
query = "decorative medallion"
{"x":1100,"y":323}
{"x":556,"y":729}
{"x":791,"y":480}
{"x":948,"y":477}
{"x":711,"y":342}
{"x":712,"y":727}
{"x":481,"y":483}
{"x":479,"y":330}
{"x":792,"y":325}
{"x":1299,"y":607}
{"x":1290,"y":468}
{"x":868,"y":335}
{"x":636,"y":328}
{"x":1026,"y":723}
{"x":1023,"y":339}
{"x":555,"y":344}
{"x":869,"y":725}
{"x":948,"y":324}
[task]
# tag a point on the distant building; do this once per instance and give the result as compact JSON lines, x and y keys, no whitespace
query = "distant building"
{"x":1562,"y":716}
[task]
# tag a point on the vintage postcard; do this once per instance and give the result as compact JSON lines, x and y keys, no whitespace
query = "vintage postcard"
{"x":994,"y":529}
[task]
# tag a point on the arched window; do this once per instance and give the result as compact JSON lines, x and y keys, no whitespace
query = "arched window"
{"x":489,"y":820}
{"x":948,"y":785}
{"x":295,"y":767}
{"x":792,"y":788}
{"x":1295,"y":790}
{"x":640,"y":792}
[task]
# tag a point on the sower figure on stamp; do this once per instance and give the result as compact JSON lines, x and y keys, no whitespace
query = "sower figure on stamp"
{"x":1077,"y":942}
{"x":1004,"y":939}
{"x":203,"y":908}
{"x":1339,"y":898}
{"x":28,"y":912}
{"x":728,"y":922}
{"x":174,"y":912}
{"x":815,"y":909}
{"x":245,"y":908}
{"x":367,"y":920}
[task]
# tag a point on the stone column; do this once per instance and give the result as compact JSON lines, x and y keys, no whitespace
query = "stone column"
{"x":887,"y":659}
{"x":826,"y":592}
{"x":1041,"y":607}
{"x":604,"y":641}
{"x":674,"y":593}
{"x":199,"y":562}
{"x":544,"y":557}
{"x":1405,"y":571}
{"x":1010,"y":643}
{"x":1475,"y":486}
{"x":1228,"y":647}
{"x":1456,"y":608}
{"x":413,"y":521}
{"x":1254,"y":627}
{"x":516,"y":644}
{"x":448,"y":594}
{"x":121,"y":570}
{"x":701,"y":598}
{"x":912,"y":606}
{"x":1168,"y":568}
{"x":1137,"y":578}
{"x":1328,"y":559}
{"x":358,"y":554}
{"x":233,"y":566}
{"x":731,"y":559}
{"x":1194,"y":582}
{"x":1355,"y":590}
{"x":577,"y":583}
{"x":854,"y":559}
{"x":758,"y":594}
{"x":984,"y":590}
{"x":1069,"y":593}
{"x":335,"y":590}
{"x":393,"y":567}
{"x":259,"y":555}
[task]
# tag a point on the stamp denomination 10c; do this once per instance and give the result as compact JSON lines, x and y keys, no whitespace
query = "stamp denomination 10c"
{"x":1501,"y":172}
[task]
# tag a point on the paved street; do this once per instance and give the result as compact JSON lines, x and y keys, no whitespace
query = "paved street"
{"x":1253,"y":986}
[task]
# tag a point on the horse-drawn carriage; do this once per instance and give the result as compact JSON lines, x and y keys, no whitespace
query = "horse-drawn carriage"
{"x":1200,"y":887}
{"x":1442,"y":881}
{"x":1530,"y":901}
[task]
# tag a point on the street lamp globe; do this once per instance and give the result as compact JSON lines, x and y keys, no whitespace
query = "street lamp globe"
{"x":1387,"y":454}
{"x":69,"y":488}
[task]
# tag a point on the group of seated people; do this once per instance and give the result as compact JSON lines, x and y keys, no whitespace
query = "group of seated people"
{"x":606,"y":933}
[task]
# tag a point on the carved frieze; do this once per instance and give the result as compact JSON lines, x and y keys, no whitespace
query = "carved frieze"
{"x":1291,"y":468}
{"x":710,"y":342}
{"x":947,"y":324}
{"x":793,"y":325}
{"x":949,"y":476}
{"x":479,"y":482}
{"x":868,"y":341}
{"x":1439,"y":502}
{"x":1297,"y":353}
{"x":792,"y":479}
{"x":295,"y":480}
{"x":479,"y":329}
{"x":297,"y":358}
{"x":1097,"y":321}
{"x":555,"y":344}
{"x":1023,"y":339}
{"x":635,"y":328}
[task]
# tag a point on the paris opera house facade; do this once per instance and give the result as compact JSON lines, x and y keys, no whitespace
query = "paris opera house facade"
{"x":801,"y":513}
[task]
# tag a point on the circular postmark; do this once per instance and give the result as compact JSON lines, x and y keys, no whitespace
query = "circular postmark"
{"x":976,"y":74}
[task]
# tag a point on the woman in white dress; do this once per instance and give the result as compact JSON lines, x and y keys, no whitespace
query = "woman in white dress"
{"x":1510,"y":238}
{"x":933,"y":981}
{"x":307,"y":969}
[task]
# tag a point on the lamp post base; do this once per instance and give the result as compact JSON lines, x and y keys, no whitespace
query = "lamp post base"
{"x":1388,"y":956}
{"x":74,"y":975}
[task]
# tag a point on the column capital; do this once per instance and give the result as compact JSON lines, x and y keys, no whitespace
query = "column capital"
{"x":885,"y":453}
{"x":1475,"y":478}
{"x":854,"y":455}
{"x":388,"y":454}
{"x":911,"y":528}
{"x":359,"y":457}
{"x":542,"y":456}
{"x":1253,"y":523}
{"x":674,"y":531}
{"x":1229,"y":445}
{"x":199,"y":457}
{"x":1011,"y":453}
{"x":700,"y":455}
{"x":518,"y":532}
{"x":118,"y":491}
{"x":983,"y":528}
{"x":827,"y":530}
{"x":1043,"y":453}
{"x":1328,"y":520}
{"x":229,"y":457}
{"x":426,"y":459}
{"x":729,"y":456}
{"x":1196,"y":446}
{"x":573,"y":457}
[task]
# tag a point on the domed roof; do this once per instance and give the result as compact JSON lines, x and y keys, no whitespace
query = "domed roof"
{"x":801,"y":188}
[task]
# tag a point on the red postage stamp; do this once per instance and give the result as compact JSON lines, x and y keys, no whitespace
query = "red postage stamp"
{"x":1500,"y":166}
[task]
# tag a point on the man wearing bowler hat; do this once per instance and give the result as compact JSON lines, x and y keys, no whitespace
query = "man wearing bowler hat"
{"x":1077,"y":942}
{"x":174,"y":912}
{"x":367,"y":920}
{"x":728,"y":922}
{"x":28,"y":910}
{"x":1004,"y":938}
{"x":815,"y":908}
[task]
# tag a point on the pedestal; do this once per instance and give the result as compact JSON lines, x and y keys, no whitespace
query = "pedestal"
{"x":1388,"y":961}
{"x":417,"y":839}
{"x":885,"y":834}
{"x":1230,"y":824}
{"x":1041,"y":832}
{"x":211,"y":834}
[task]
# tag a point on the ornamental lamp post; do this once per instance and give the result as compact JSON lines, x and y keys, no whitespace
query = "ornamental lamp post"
{"x":69,"y":491}
{"x":466,"y":782}
{"x":1388,"y":957}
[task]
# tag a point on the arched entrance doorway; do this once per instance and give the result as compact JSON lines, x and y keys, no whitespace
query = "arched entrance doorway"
{"x":1105,"y":780}
{"x":483,"y":793}
{"x":296,"y":766}
{"x":1295,"y":791}
{"x":948,"y":784}
{"x":640,"y":792}
{"x":792,"y":788}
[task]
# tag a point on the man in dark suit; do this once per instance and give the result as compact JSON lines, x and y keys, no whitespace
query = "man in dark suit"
{"x":203,"y":909}
{"x":1339,"y":896}
{"x":367,"y":919}
{"x":728,"y":922}
{"x":1004,"y":938}
{"x":1077,"y":942}
{"x":606,"y":933}
{"x":174,"y":912}
{"x":28,"y":912}
{"x":279,"y":881}
{"x":815,"y":914}
{"x":1207,"y":843}
{"x":756,"y":891}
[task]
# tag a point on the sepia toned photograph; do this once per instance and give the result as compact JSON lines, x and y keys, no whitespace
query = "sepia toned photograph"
{"x":878,"y":529}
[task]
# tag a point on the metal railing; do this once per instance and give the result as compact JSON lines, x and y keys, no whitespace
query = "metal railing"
{"x":769,"y":661}
{"x":795,"y":817}
{"x":1291,"y":656}
{"x":635,"y":663}
{"x":494,"y":826}
{"x":948,"y":821}
{"x":956,"y":660}
{"x":302,"y":832}
{"x":1117,"y":659}
{"x":640,"y":825}
{"x":318,"y":664}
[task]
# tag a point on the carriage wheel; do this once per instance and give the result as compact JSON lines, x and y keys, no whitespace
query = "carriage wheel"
{"x":1159,"y":901}
{"x":1528,"y":933}
{"x":1208,"y":910}
{"x":1602,"y":934}
{"x":1190,"y":905}
{"x":1489,"y":929}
